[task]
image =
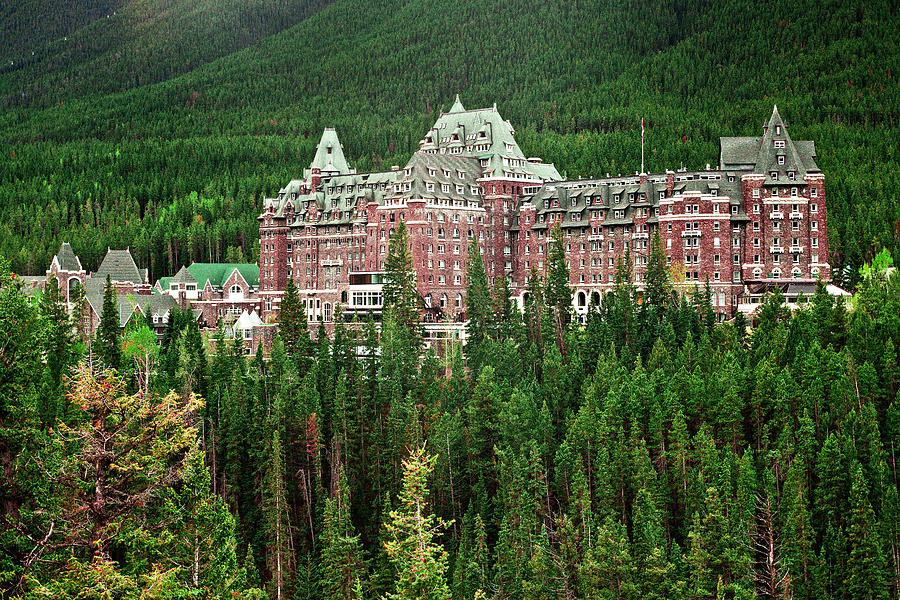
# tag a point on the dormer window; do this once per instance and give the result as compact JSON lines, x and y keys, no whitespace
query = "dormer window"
{"x":773,"y":174}
{"x":429,"y":187}
{"x":778,"y":130}
{"x":781,"y":159}
{"x":779,"y":143}
{"x":460,"y":175}
{"x":446,"y":172}
{"x":329,"y":149}
{"x":432,"y":172}
{"x":791,"y":175}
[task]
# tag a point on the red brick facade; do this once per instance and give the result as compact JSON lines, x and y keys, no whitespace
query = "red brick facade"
{"x":759,"y":217}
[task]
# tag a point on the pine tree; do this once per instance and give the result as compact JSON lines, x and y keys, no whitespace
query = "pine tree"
{"x":420,"y":563}
{"x":865,"y":564}
{"x":109,"y":331}
{"x":342,"y":551}
{"x":401,"y":296}
{"x":558,"y":294}
{"x":280,"y":556}
{"x":657,"y":290}
{"x":478,"y":304}
{"x":292,"y":323}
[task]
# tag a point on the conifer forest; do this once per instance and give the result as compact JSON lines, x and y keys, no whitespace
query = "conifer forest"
{"x":649,"y":452}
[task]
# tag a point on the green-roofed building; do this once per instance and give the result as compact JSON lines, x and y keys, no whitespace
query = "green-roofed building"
{"x":215,"y":290}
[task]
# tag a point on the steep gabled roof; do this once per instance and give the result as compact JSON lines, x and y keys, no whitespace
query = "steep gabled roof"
{"x":183,"y":276}
{"x":759,"y":154}
{"x":767,"y":159}
{"x":120,"y":266}
{"x":457,"y":106}
{"x":329,"y":156}
{"x":67,"y":259}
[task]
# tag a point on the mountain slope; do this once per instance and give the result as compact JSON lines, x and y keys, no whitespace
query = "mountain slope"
{"x":573,"y":78}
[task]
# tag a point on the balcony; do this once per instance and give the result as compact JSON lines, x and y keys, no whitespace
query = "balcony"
{"x":691,"y":233}
{"x":332,"y":262}
{"x":796,"y":249}
{"x":776,"y":214}
{"x":796,"y":215}
{"x":776,"y":249}
{"x":595,"y":238}
{"x":643,"y":235}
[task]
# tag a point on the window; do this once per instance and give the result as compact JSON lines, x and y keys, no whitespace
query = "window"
{"x":756,"y":192}
{"x":773,"y":174}
{"x":814,"y":192}
{"x":756,"y":209}
{"x":779,"y":143}
{"x":814,"y":208}
{"x":781,"y":159}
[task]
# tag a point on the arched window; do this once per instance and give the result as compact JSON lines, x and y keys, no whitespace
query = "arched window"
{"x":582,"y":299}
{"x":236,"y":290}
{"x":776,"y":272}
{"x":757,"y":273}
{"x":595,"y":298}
{"x":459,"y":301}
{"x":443,"y":300}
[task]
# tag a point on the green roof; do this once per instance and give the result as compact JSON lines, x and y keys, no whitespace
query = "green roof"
{"x":215,"y":273}
{"x":329,"y":156}
{"x":218,"y":273}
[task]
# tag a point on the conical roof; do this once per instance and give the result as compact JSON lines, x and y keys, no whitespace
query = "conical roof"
{"x":329,"y":156}
{"x":457,"y":106}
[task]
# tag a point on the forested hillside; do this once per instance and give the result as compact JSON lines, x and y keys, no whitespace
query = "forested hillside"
{"x":650,"y":454}
{"x":162,"y":126}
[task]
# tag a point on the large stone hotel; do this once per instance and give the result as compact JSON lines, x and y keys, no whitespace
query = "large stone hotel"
{"x":755,"y":222}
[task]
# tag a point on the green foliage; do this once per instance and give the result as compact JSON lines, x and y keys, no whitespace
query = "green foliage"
{"x":401,"y":296}
{"x":142,"y":123}
{"x":665,"y":457}
{"x":420,"y":563}
{"x":109,"y":331}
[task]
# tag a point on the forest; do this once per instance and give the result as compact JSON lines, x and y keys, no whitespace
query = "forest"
{"x":649,"y":453}
{"x":160,"y":125}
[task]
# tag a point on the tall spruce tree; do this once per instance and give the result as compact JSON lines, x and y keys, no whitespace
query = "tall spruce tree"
{"x":292,"y":323}
{"x":865,"y":566}
{"x":420,"y":563}
{"x":478,"y":301}
{"x":657,"y":290}
{"x":558,"y":294}
{"x":109,"y":332}
{"x":401,"y":296}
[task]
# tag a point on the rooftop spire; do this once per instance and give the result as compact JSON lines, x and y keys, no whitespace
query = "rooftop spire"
{"x":457,"y":106}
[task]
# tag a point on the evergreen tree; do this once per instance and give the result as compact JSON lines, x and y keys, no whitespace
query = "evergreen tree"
{"x":419,"y":561}
{"x":342,"y":551}
{"x":558,"y":295}
{"x":401,"y":296}
{"x":280,"y":557}
{"x":109,"y":330}
{"x":292,"y":324}
{"x":478,"y":304}
{"x":657,"y":290}
{"x":865,"y":564}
